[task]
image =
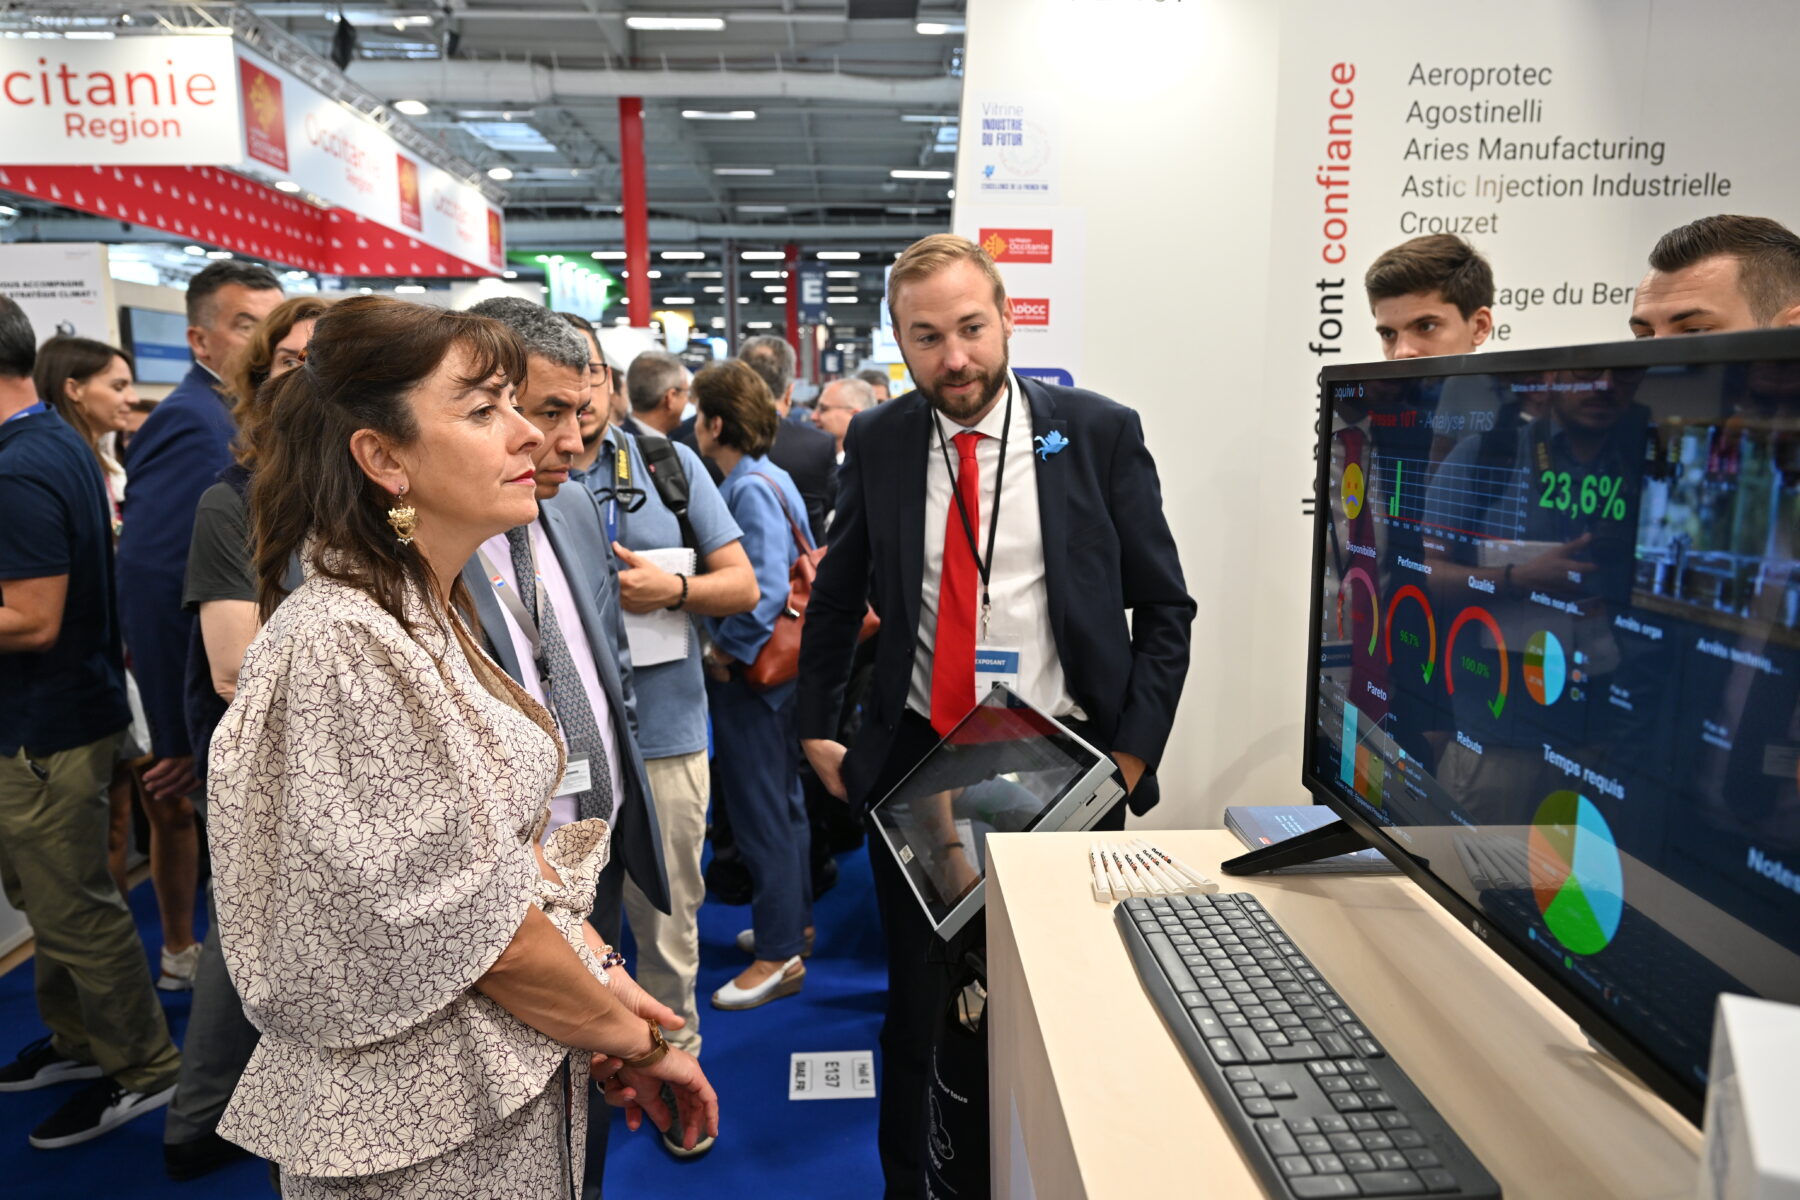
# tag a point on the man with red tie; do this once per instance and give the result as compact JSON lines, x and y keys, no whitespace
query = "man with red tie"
{"x":983,"y":511}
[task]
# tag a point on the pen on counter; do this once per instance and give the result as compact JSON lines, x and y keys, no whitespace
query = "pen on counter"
{"x":1102,"y":889}
{"x":1120,"y":890}
{"x":1143,"y":869}
{"x":1204,"y":884}
{"x":1169,"y":879}
{"x":1130,"y":876}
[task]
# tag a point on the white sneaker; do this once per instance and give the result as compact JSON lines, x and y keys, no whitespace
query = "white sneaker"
{"x":178,"y":969}
{"x":746,"y":941}
{"x":785,"y":982}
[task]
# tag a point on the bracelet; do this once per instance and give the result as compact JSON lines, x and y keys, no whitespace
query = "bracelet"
{"x":952,"y":846}
{"x":658,"y":1049}
{"x":612,"y":958}
{"x":676,"y":607}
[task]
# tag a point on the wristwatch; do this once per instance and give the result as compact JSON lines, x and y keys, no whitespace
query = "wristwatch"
{"x":658,"y":1048}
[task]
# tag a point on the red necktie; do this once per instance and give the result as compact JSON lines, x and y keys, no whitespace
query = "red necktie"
{"x":953,"y":656}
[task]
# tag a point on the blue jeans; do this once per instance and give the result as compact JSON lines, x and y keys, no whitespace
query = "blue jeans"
{"x":756,"y":774}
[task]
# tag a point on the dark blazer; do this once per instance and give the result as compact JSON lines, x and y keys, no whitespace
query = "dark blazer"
{"x":572,"y":524}
{"x":807,"y":453}
{"x":1107,"y":549}
{"x":177,"y":455}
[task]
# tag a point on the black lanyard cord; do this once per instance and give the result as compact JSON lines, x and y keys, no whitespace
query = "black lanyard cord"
{"x":986,"y":569}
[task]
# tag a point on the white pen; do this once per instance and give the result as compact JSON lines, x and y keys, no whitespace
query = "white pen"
{"x":1120,"y":890}
{"x":1169,"y":879}
{"x":1128,"y":875}
{"x":1150,"y":877}
{"x":1202,"y":882}
{"x":1102,"y":889}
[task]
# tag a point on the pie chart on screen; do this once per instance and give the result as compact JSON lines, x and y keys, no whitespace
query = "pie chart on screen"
{"x":1575,"y":872}
{"x":1545,"y":668}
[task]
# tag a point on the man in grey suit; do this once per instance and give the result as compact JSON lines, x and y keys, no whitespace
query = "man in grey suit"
{"x":547,"y":595}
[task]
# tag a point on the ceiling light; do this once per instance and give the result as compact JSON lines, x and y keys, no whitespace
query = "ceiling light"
{"x":409,"y":289}
{"x":775,"y":289}
{"x":676,"y":24}
{"x":909,"y":210}
{"x":652,"y":274}
{"x":718,"y":322}
{"x":610,"y":255}
{"x":938,"y":28}
{"x":678,"y":299}
{"x":908,"y":173}
{"x":840,"y":299}
{"x":928,"y":118}
{"x":736,"y":114}
{"x":763,"y":255}
{"x":673,"y":255}
{"x":509,"y":274}
{"x":366,"y":291}
{"x":196,"y":251}
{"x":843,"y":274}
{"x":712,"y":289}
{"x":218,"y":254}
{"x":92,"y":35}
{"x":762,"y":208}
{"x":286,"y":185}
{"x":743,"y":170}
{"x":706,"y":274}
{"x":411,"y":108}
{"x":768,"y":274}
{"x":759,"y":324}
{"x":779,"y":299}
{"x":950,"y":195}
{"x":838,"y":255}
{"x":501,"y":174}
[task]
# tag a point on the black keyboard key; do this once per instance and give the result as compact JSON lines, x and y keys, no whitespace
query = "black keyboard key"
{"x":1224,"y":1050}
{"x":1277,"y":1138}
{"x":1362,"y":1122}
{"x":1329,"y":1125}
{"x":1379,"y":1141}
{"x":1391,"y":1160}
{"x":1364,"y":1083}
{"x":1207,"y":1022}
{"x":1422,"y":1158}
{"x":1407,"y":1139}
{"x":1248,"y":1088}
{"x":1248,"y":1046}
{"x":1294,"y":1164}
{"x":1439,"y":1180}
{"x":1344,"y":1141}
{"x":1323,"y":1067}
{"x":1279,"y":1089}
{"x":1390,"y":1183}
{"x":1367,"y":1048}
{"x":1336,"y":1044}
{"x":1259,"y":1107}
{"x":1377,"y":1100}
{"x":1347,"y":1102}
{"x":1302,"y":1125}
{"x":1334,"y":1083}
{"x":1168,"y":958}
{"x":1356,"y":1161}
{"x":1298,"y":1052}
{"x":1239,"y":1074}
{"x":1394,"y":1120}
{"x":1327,"y":1164}
{"x":1315,"y":1143}
{"x":1323,"y":1187}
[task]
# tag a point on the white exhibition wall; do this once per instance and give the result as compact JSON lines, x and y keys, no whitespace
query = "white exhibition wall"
{"x":1560,"y":136}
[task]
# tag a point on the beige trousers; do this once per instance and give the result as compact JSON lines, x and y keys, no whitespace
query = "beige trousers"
{"x":669,"y":946}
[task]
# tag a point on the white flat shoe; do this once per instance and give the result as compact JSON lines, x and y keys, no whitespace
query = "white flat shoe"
{"x":746,"y":941}
{"x":785,"y":982}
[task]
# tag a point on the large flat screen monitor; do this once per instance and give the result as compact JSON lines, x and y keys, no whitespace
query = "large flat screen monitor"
{"x":1555,"y":662}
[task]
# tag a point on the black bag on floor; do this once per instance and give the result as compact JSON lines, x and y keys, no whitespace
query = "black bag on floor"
{"x":956,"y":1127}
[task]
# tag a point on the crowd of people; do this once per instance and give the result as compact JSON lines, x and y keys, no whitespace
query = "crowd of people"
{"x":371,"y":617}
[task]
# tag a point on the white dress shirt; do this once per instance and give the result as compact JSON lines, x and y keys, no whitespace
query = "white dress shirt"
{"x":568,"y":620}
{"x":1020,"y":601}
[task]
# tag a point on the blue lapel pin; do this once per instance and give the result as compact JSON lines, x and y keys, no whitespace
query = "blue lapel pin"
{"x":1050,"y":443}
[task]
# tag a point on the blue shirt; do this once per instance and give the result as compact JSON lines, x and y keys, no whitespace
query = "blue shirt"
{"x":769,"y":541}
{"x":671,"y":697}
{"x":58,"y":522}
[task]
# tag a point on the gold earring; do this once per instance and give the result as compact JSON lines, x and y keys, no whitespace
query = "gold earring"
{"x":403,"y":518}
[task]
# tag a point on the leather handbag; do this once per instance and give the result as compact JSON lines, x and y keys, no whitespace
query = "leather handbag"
{"x":779,"y":659}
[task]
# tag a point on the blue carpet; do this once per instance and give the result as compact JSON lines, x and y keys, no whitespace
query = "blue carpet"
{"x":768,"y":1145}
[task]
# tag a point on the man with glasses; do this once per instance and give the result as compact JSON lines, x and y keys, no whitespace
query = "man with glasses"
{"x":841,"y":400}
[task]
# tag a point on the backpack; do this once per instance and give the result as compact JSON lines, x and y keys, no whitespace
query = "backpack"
{"x":664,"y":465}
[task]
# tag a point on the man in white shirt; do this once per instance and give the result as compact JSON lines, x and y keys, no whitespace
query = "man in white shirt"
{"x":547,"y":595}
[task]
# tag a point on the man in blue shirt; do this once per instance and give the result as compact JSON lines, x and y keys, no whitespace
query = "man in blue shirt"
{"x":62,"y":715}
{"x":671,"y":696}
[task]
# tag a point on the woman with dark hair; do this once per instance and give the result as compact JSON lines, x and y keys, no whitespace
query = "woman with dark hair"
{"x":755,"y":740}
{"x":428,"y":992}
{"x":89,"y":383}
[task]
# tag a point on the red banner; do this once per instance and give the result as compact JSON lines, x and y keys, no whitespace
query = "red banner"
{"x":1018,"y":245}
{"x":217,"y":208}
{"x":265,"y":121}
{"x":406,"y":171}
{"x":1030,"y":312}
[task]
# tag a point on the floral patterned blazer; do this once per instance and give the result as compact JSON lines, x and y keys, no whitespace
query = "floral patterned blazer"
{"x":373,"y":808}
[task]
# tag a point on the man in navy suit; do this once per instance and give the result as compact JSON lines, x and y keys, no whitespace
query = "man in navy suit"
{"x":1077,"y":540}
{"x":567,"y":627}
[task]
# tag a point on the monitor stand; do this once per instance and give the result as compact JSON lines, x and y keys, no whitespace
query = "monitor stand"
{"x":1323,"y":842}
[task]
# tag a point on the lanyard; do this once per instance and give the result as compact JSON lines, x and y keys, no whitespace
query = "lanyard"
{"x":528,"y":624}
{"x":621,"y":479}
{"x":35,"y":409}
{"x":985,"y":569}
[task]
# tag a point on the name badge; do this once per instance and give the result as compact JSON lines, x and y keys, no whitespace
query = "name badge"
{"x":577,"y":777}
{"x":995,"y":664}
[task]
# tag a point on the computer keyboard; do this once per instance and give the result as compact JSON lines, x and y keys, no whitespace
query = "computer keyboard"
{"x":1315,"y":1104}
